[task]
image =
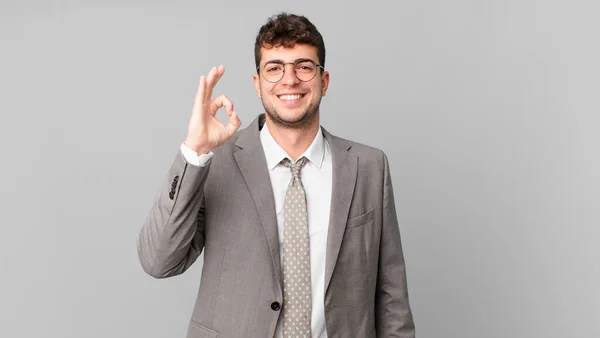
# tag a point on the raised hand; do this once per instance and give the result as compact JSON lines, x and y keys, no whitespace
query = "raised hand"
{"x":205,"y":132}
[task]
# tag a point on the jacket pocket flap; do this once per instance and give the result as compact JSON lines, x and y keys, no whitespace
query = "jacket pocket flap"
{"x":357,"y":221}
{"x":199,"y":331}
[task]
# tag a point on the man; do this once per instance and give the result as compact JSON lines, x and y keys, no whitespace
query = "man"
{"x":298,"y":227}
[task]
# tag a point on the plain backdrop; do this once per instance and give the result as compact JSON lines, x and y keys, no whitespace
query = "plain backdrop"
{"x":488,"y":111}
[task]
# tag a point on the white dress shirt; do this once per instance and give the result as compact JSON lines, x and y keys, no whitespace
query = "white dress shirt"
{"x":317,"y":179}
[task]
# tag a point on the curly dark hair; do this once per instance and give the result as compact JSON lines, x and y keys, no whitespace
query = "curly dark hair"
{"x":287,"y":30}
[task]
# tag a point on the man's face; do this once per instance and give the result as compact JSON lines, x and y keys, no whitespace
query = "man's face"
{"x":291,"y":103}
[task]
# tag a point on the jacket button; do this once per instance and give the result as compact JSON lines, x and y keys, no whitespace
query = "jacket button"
{"x":275,"y":306}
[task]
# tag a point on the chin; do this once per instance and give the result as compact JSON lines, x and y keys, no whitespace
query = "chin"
{"x":292,"y":119}
{"x":292,"y":116}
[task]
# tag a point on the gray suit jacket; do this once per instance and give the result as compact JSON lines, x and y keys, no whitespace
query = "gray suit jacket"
{"x":227,"y":209}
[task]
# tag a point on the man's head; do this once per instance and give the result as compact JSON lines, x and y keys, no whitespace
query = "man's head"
{"x":288,"y":30}
{"x":291,"y":79}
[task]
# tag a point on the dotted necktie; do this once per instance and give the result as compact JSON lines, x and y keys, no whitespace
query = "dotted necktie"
{"x":297,"y":304}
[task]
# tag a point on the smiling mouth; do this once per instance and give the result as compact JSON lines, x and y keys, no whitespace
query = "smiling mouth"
{"x":290,"y":97}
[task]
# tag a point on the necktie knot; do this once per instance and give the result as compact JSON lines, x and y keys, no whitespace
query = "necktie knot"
{"x":296,"y":167}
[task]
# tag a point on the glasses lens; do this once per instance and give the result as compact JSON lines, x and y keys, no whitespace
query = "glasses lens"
{"x":273,"y":72}
{"x":306,"y":70}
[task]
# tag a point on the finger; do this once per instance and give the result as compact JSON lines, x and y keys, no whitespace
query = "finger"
{"x":198,"y":100}
{"x":208,"y":89}
{"x":213,"y":77}
{"x":221,"y":101}
{"x":234,"y":123}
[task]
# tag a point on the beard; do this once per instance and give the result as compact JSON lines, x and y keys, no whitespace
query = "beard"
{"x":305,"y":120}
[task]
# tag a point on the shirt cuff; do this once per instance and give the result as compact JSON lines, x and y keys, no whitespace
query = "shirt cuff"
{"x":193,"y":158}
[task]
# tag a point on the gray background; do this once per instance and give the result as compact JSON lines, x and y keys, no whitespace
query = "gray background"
{"x":488,"y":111}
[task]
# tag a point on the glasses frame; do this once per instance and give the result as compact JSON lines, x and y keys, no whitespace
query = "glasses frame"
{"x":281,"y":62}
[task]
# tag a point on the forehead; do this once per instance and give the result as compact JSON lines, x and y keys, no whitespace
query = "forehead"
{"x":289,"y":54}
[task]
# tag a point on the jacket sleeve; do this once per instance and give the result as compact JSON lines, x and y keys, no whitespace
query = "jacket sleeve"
{"x":393,"y":314}
{"x":172,"y":236}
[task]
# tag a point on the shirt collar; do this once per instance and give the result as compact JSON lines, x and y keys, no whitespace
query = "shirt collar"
{"x":274,"y":153}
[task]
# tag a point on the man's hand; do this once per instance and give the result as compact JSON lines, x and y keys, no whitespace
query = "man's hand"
{"x":205,"y":132}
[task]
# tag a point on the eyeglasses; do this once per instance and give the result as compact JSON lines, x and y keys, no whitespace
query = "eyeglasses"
{"x":304,"y":69}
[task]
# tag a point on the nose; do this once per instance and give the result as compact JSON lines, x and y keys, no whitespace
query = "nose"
{"x":289,"y":76}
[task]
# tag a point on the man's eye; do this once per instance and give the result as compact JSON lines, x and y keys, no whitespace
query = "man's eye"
{"x":272,"y":69}
{"x":305,"y":67}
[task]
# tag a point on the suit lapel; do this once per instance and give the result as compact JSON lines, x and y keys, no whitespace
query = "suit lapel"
{"x":345,"y":166}
{"x":253,"y":165}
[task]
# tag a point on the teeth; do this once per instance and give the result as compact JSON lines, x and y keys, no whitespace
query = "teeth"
{"x":290,"y":97}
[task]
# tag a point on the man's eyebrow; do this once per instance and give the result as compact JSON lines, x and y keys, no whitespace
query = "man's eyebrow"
{"x":303,"y":59}
{"x":281,"y":61}
{"x":274,"y":61}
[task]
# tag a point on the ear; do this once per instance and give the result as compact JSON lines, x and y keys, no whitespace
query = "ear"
{"x":324,"y":82}
{"x":256,"y":80}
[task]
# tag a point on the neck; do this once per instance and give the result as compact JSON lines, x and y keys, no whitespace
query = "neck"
{"x":294,"y":141}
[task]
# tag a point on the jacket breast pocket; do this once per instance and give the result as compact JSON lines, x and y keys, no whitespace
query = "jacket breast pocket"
{"x":360,"y":220}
